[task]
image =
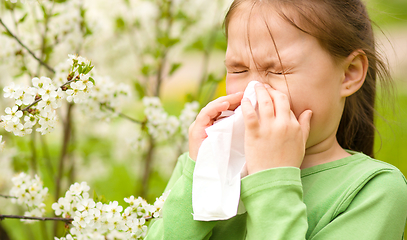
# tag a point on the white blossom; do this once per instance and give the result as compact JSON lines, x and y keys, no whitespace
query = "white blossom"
{"x":41,"y":83}
{"x":47,"y":121}
{"x":159,"y":203}
{"x":160,"y":125}
{"x":13,"y":114}
{"x":47,"y":91}
{"x":188,"y":116}
{"x":29,"y":192}
{"x":10,"y":90}
{"x":16,"y":128}
{"x":49,"y":99}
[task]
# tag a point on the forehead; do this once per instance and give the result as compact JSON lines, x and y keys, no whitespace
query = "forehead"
{"x":257,"y":31}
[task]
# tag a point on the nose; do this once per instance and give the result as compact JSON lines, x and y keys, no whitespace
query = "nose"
{"x":256,"y":75}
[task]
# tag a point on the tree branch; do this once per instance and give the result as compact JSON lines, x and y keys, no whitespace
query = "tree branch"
{"x":26,"y":48}
{"x":64,"y":151}
{"x":5,"y":196}
{"x":44,"y":35}
{"x":68,"y":220}
{"x":40,"y":99}
{"x":124,"y":115}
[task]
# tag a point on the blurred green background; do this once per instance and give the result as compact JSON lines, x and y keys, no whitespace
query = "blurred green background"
{"x":390,"y":145}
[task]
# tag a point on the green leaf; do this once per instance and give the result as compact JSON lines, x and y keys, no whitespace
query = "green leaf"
{"x":167,"y":41}
{"x":213,"y":79}
{"x":174,"y":67}
{"x":197,"y":45}
{"x":127,"y":2}
{"x":23,"y":18}
{"x":92,"y":80}
{"x":146,"y":69}
{"x":88,"y":69}
{"x":220,"y":41}
{"x":44,"y":11}
{"x":101,"y":198}
{"x":190,"y":97}
{"x":120,"y":24}
{"x":95,"y":196}
{"x":19,"y":74}
{"x":9,"y":5}
{"x":7,"y":34}
{"x":180,"y":15}
{"x":140,"y":89}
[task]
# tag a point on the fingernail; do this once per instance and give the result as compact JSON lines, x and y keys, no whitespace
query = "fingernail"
{"x":238,"y":93}
{"x":267,"y":86}
{"x":245,"y":99}
{"x":258,"y":85}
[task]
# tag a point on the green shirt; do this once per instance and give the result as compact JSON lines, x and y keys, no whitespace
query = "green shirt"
{"x":356,"y":197}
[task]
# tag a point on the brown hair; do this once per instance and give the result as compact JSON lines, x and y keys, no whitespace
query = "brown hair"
{"x":341,"y":27}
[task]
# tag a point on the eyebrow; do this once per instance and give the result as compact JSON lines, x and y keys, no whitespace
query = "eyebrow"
{"x":268,"y":63}
{"x":235,"y":64}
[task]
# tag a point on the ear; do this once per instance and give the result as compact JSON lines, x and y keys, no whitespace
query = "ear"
{"x":355,"y":66}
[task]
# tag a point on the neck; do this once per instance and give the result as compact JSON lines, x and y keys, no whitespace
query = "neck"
{"x":326,"y":151}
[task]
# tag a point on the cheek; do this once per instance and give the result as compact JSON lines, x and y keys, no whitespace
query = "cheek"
{"x":303,"y":98}
{"x":235,"y":83}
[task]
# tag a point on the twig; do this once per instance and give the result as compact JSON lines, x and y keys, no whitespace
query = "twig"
{"x":5,"y":196}
{"x":34,"y":153}
{"x":40,"y":99}
{"x":47,"y":157}
{"x":32,"y":104}
{"x":205,"y":62}
{"x":22,"y":55}
{"x":124,"y":115}
{"x":44,"y":36}
{"x":68,"y":220}
{"x":147,"y":168}
{"x":26,"y":48}
{"x":66,"y":137}
{"x":64,"y":151}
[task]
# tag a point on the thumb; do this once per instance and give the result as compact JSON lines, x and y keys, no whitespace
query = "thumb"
{"x":304,"y":121}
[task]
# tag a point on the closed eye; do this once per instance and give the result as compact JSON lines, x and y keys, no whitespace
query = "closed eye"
{"x":275,"y":73}
{"x":244,"y":71}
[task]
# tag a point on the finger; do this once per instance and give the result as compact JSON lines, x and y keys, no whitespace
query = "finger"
{"x":250,"y":118}
{"x":210,"y":112}
{"x":233,"y":99}
{"x":305,"y":122}
{"x":281,"y":103}
{"x":264,"y":101}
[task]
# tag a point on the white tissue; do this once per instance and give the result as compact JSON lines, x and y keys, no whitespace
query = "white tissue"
{"x":220,"y":165}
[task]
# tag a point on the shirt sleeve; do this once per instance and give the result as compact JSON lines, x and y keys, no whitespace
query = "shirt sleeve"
{"x":377,"y":211}
{"x":273,"y":200}
{"x":177,"y":221}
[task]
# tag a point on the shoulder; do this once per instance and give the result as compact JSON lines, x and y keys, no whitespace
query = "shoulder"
{"x":361,"y":169}
{"x":374,"y":180}
{"x":381,"y":173}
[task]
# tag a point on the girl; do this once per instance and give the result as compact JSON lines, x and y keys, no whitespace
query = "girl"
{"x":308,"y":147}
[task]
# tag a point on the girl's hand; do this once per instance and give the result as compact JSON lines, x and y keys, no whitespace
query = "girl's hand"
{"x":274,"y":137}
{"x":207,"y":117}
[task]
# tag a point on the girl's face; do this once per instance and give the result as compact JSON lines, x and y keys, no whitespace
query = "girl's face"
{"x":313,"y":78}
